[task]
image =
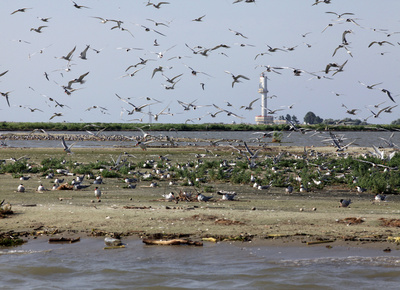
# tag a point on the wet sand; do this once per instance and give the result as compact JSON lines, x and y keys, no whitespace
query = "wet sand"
{"x":261,"y":216}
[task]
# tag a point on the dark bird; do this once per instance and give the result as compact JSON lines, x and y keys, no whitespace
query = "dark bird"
{"x":380,"y":43}
{"x":236,"y":78}
{"x":79,"y":6}
{"x":237,"y":33}
{"x":19,"y":10}
{"x":39,"y":29}
{"x":199,"y":19}
{"x":344,"y":202}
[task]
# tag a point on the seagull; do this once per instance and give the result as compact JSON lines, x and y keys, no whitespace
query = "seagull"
{"x":143,"y":145}
{"x":371,"y":87}
{"x":147,"y":29}
{"x":340,"y":69}
{"x":237,"y":33}
{"x":97,"y":193}
{"x":194,"y":72}
{"x":249,"y":107}
{"x":199,"y":19}
{"x":379,"y":112}
{"x":6,"y":96}
{"x":229,"y":113}
{"x":380,"y":197}
{"x":79,"y":6}
{"x":274,"y":49}
{"x":380,"y":43}
{"x":39,"y":29}
{"x":169,"y":197}
{"x":3,"y":73}
{"x":83,"y":53}
{"x":202,"y":197}
{"x":344,"y":202}
{"x":158,"y":5}
{"x":69,"y":55}
{"x":388,"y":94}
{"x":19,"y":10}
{"x":342,"y":46}
{"x":236,"y":78}
{"x":227,"y":195}
{"x":340,"y":15}
{"x":67,"y":148}
{"x":21,"y":188}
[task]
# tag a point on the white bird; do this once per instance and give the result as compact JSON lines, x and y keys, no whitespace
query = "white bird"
{"x":41,"y":188}
{"x":380,"y":197}
{"x":21,"y":188}
{"x":69,"y":55}
{"x":227,"y":195}
{"x":66,"y":148}
{"x":202,"y":197}
{"x":169,"y":197}
{"x":97,"y":193}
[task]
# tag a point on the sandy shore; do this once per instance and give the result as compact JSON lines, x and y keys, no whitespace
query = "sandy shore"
{"x":271,"y":215}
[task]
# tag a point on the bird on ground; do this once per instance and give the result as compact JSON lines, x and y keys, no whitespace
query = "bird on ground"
{"x":380,"y":197}
{"x":289,"y":189}
{"x":344,"y":202}
{"x":169,"y":197}
{"x":97,"y":193}
{"x":66,"y":148}
{"x":227,"y":195}
{"x":236,"y":78}
{"x":201,"y":197}
{"x":41,"y":188}
{"x":361,"y":189}
{"x":21,"y":188}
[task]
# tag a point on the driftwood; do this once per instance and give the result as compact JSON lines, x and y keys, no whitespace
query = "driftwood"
{"x":64,"y":240}
{"x":65,"y":186}
{"x":172,"y":242}
{"x":114,"y":247}
{"x":136,"y":207}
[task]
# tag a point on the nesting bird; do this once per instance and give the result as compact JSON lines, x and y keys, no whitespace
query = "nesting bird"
{"x":344,"y":202}
{"x":21,"y":188}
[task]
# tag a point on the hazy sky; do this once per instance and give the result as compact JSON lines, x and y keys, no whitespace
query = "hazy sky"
{"x":28,"y":55}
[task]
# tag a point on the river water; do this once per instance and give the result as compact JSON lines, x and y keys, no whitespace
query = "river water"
{"x":364,"y":139}
{"x":86,"y":265}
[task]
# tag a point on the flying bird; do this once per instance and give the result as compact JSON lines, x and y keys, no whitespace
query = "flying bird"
{"x":66,"y":147}
{"x":380,"y":43}
{"x":69,"y":55}
{"x":236,"y":78}
{"x":39,"y":29}
{"x":249,"y":107}
{"x":237,"y":33}
{"x":19,"y":10}
{"x":199,"y":19}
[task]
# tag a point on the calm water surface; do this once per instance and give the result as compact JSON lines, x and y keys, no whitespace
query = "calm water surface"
{"x":86,"y":265}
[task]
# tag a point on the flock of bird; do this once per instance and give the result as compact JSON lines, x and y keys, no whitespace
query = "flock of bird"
{"x":168,"y":66}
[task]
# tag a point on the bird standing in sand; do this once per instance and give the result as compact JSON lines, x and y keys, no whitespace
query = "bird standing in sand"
{"x":97,"y":193}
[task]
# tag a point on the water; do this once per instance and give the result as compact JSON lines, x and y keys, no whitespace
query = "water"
{"x":364,"y":139}
{"x":86,"y":265}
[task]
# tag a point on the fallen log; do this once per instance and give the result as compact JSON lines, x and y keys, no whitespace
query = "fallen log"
{"x":172,"y":242}
{"x":64,"y":240}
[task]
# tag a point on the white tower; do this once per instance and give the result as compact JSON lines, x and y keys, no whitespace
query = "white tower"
{"x":262,"y":89}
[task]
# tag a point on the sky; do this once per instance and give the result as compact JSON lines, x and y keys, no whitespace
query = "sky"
{"x":29,"y":56}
